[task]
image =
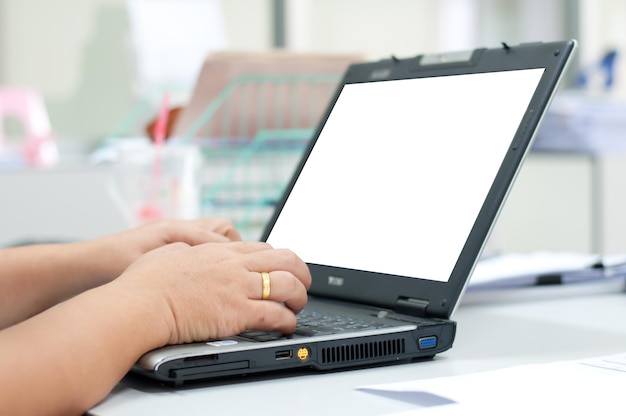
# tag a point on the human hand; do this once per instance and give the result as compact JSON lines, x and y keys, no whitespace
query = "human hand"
{"x":111,"y":255}
{"x":157,"y":233}
{"x":211,"y":291}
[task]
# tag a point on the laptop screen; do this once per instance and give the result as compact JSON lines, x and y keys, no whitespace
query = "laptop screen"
{"x":400,"y":171}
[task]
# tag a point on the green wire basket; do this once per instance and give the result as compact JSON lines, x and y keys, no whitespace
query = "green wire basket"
{"x":252,"y":136}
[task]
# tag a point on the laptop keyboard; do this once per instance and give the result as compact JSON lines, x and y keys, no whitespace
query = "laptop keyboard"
{"x":311,"y":323}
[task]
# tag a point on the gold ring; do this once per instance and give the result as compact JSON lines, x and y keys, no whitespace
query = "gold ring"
{"x":265,"y":294}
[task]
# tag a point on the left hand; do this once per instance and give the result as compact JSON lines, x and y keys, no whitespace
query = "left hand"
{"x":114,"y":253}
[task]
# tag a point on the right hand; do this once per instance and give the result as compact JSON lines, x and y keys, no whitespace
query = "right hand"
{"x":213,"y":290}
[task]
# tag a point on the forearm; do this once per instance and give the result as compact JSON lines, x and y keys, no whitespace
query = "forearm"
{"x":66,"y":359}
{"x":34,"y":278}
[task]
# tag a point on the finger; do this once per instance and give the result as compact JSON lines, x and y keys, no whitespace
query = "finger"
{"x":195,"y":235}
{"x":236,"y":248}
{"x":283,"y":287}
{"x":272,"y":316}
{"x":220,"y":226}
{"x":231,"y":232}
{"x":247,"y":247}
{"x":279,"y":259}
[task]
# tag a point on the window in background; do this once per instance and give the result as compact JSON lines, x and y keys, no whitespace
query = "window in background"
{"x":171,"y":39}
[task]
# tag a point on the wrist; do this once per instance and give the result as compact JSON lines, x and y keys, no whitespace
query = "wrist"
{"x":146,"y":308}
{"x":99,"y":260}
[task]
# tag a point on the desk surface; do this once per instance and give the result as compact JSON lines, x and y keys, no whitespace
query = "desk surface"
{"x":495,"y":330}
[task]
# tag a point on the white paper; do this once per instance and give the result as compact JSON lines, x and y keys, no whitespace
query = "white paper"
{"x":592,"y":386}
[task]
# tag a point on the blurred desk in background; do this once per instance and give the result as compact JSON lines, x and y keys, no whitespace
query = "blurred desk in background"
{"x":560,"y":202}
{"x":60,"y":204}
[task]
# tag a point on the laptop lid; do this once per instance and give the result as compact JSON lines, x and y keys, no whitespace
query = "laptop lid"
{"x":398,"y":191}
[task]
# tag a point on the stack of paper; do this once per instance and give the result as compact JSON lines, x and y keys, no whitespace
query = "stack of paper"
{"x":510,"y":270}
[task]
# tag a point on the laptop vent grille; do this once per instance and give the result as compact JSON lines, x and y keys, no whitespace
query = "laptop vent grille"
{"x":362,"y":351}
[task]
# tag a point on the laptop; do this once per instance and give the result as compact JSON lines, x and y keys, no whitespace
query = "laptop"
{"x":390,"y":207}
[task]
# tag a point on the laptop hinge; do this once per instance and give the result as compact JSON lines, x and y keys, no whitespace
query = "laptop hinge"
{"x":411,"y":306}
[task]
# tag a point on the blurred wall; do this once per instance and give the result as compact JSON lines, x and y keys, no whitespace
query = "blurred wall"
{"x":79,"y":53}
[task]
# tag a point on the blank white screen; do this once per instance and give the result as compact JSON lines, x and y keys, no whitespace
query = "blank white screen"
{"x":401,"y":170}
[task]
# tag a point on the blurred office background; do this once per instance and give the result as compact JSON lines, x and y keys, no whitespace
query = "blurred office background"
{"x":95,"y":60}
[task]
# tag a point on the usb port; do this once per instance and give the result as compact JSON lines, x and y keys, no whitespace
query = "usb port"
{"x":427,"y":342}
{"x":284,"y":355}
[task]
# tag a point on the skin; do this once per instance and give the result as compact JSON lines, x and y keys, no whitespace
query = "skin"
{"x":71,"y":311}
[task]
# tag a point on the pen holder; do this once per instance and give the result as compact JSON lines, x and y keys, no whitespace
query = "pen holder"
{"x":154,"y":182}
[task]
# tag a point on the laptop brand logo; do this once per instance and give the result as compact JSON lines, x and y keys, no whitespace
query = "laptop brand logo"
{"x":335,"y":281}
{"x":380,"y":73}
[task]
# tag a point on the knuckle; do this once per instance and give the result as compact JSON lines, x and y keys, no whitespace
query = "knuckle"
{"x":228,"y":223}
{"x":291,"y":286}
{"x":166,"y":223}
{"x":289,"y":258}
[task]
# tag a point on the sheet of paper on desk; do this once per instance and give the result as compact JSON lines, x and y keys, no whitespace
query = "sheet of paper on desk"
{"x":594,"y":385}
{"x":525,"y":269}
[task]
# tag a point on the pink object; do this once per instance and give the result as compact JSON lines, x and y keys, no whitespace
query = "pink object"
{"x":26,"y":106}
{"x":153,"y":211}
{"x":149,"y":213}
{"x":160,"y":127}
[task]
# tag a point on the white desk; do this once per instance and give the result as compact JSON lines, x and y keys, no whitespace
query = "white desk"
{"x":535,"y":325}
